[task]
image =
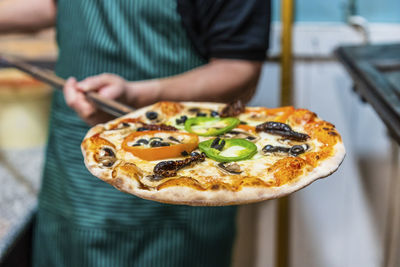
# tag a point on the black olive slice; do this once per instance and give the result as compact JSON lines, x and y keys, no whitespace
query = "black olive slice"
{"x":151,"y":115}
{"x":241,"y":134}
{"x":272,"y":149}
{"x":142,"y":141}
{"x":214,"y":113}
{"x":156,"y":138}
{"x":136,"y":144}
{"x":201,"y":114}
{"x":293,"y":151}
{"x":181,"y":120}
{"x":215,"y":142}
{"x":165,"y":144}
{"x":235,"y":132}
{"x":184,"y":153}
{"x":174,"y":139}
{"x":298,"y":149}
{"x":125,"y":124}
{"x":218,"y":144}
{"x":157,"y":143}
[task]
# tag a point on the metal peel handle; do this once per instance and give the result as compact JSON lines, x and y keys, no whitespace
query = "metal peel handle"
{"x":109,"y":106}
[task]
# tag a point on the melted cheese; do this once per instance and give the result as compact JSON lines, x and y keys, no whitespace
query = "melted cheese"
{"x":257,"y":166}
{"x":233,"y":151}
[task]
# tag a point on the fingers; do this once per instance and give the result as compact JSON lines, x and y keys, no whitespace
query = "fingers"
{"x":94,"y":83}
{"x":106,"y":84}
{"x":77,"y":100}
{"x":70,"y":93}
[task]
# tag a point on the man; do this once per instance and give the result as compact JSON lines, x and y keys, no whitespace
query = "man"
{"x":138,"y":52}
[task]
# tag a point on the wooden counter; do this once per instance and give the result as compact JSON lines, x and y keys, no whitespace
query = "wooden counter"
{"x":37,"y":47}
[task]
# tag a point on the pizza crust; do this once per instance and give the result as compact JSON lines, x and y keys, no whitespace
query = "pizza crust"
{"x":190,"y":196}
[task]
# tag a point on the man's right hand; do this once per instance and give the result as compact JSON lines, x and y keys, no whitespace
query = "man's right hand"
{"x":107,"y":85}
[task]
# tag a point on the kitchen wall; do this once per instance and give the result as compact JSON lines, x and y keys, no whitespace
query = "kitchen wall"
{"x":387,"y":11}
{"x":339,"y":221}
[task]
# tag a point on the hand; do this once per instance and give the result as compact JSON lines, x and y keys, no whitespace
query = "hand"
{"x":109,"y":86}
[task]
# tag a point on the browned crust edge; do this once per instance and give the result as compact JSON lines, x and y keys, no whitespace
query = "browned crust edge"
{"x":190,"y":196}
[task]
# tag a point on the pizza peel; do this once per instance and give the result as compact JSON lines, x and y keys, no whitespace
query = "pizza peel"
{"x":109,"y":106}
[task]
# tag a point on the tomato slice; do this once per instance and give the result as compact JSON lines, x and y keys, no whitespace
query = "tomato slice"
{"x":188,"y":142}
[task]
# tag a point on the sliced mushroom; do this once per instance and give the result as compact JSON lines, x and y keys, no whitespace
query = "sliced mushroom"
{"x":230,"y":168}
{"x":106,"y":157}
{"x":154,"y":177}
{"x":241,"y":134}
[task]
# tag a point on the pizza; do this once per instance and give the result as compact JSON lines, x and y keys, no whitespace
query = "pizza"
{"x":212,"y":154}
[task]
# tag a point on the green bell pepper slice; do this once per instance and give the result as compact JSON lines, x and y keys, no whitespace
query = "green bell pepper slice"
{"x":234,"y":149}
{"x":207,"y":126}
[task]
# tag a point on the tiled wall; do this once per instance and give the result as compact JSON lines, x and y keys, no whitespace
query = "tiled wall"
{"x":336,"y":10}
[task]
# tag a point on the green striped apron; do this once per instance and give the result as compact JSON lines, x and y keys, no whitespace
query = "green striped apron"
{"x":83,"y":221}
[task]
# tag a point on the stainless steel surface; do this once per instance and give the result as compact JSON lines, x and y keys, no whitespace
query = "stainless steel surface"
{"x":20,"y":173}
{"x":373,"y":69}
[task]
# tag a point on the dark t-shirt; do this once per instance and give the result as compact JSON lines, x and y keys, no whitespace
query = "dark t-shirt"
{"x":236,"y":29}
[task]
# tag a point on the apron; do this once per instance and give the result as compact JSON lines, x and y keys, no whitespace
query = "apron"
{"x":81,"y":220}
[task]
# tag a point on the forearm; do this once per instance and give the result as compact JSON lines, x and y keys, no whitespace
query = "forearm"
{"x":218,"y":81}
{"x":26,"y":15}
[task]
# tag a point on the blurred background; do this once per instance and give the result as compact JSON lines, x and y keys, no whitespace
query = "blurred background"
{"x":348,"y":219}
